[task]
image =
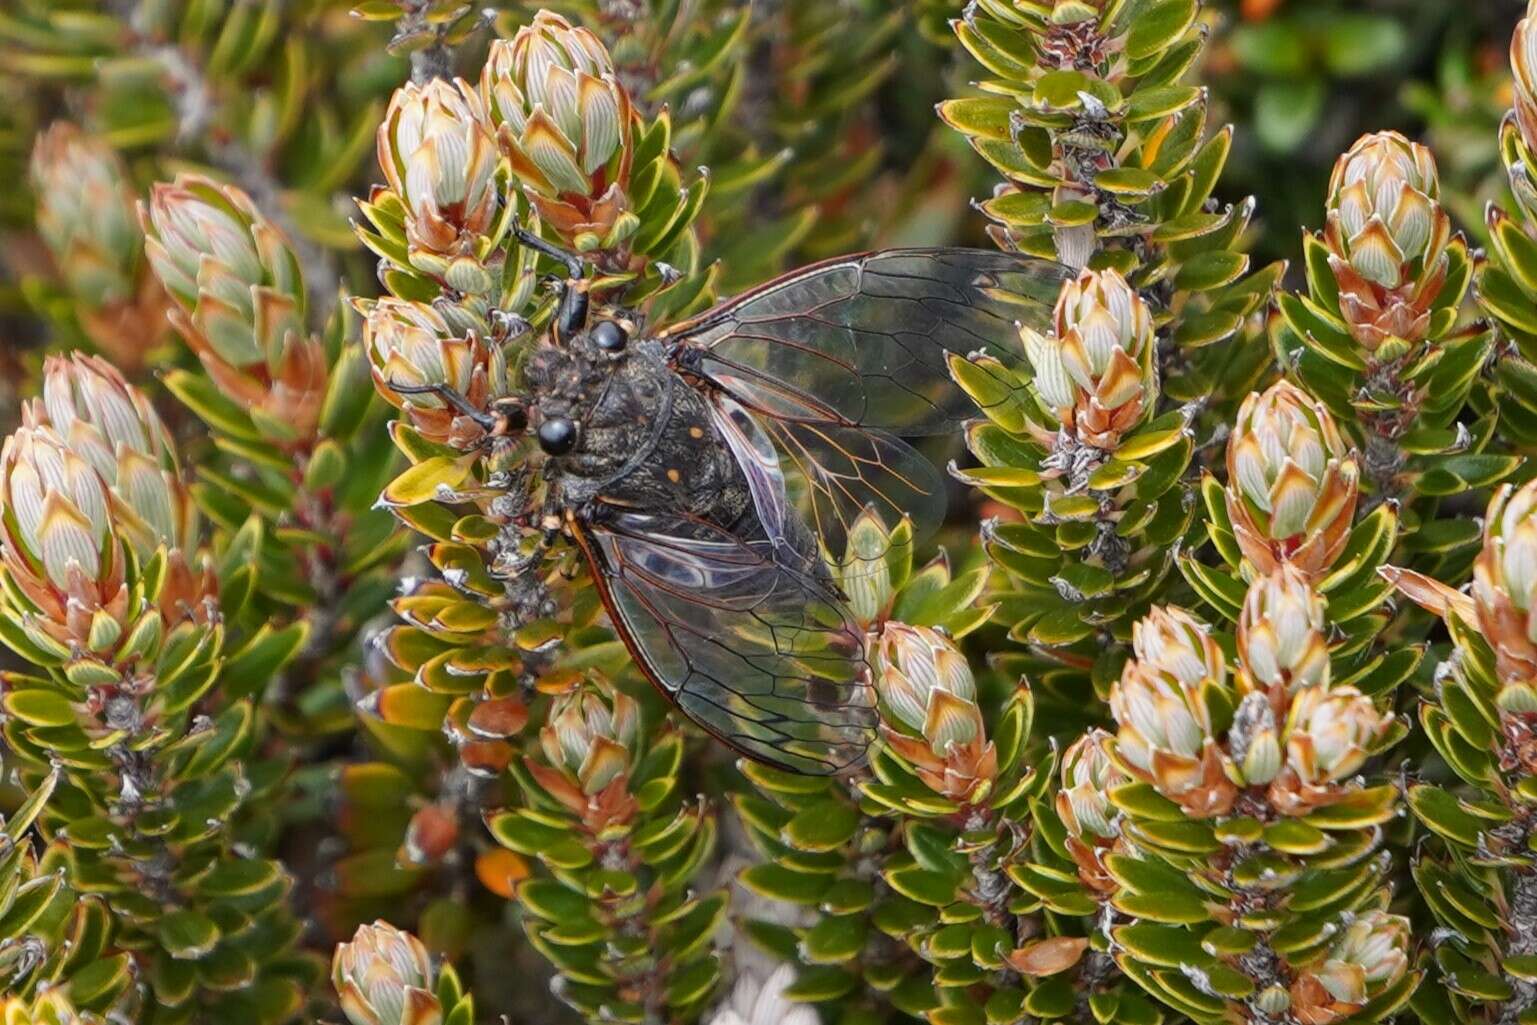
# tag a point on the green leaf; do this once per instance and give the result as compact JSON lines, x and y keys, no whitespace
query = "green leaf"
{"x":1151,"y":104}
{"x":38,"y":707}
{"x":200,"y":395}
{"x":822,"y":826}
{"x":835,"y":939}
{"x":187,"y":935}
{"x":779,"y":882}
{"x":249,"y":669}
{"x":935,"y":889}
{"x":1157,"y":26}
{"x":820,"y":984}
{"x":1444,"y":814}
{"x":987,"y":117}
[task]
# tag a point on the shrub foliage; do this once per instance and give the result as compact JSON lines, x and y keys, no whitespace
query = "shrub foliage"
{"x":1214,"y":701}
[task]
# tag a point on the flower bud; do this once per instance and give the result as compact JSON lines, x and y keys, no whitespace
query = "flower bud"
{"x":241,"y":300}
{"x":592,"y":735}
{"x":1292,"y":487}
{"x":60,"y":506}
{"x":1282,"y":640}
{"x":1088,"y":774}
{"x":1505,"y":592}
{"x":411,"y":345}
{"x":384,"y":977}
{"x":565,"y":123}
{"x":59,"y":550}
{"x":437,"y":154}
{"x":1387,"y":236}
{"x":1096,"y":373}
{"x":85,"y":214}
{"x":1083,"y":805}
{"x":1166,"y":734}
{"x":1370,"y":956}
{"x":864,"y":574}
{"x":1329,"y":735}
{"x":926,"y":686}
{"x":113,"y":426}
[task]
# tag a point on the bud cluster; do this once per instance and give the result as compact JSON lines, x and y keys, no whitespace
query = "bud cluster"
{"x":549,"y":124}
{"x":90,"y":490}
{"x":1282,"y":738}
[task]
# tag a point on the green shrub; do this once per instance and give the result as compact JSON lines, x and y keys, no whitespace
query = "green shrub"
{"x":1214,"y":700}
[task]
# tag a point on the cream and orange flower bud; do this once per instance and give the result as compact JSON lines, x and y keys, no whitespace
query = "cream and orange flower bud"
{"x":1282,"y":636}
{"x":1292,"y":485}
{"x":1329,"y":735}
{"x":1088,"y":774}
{"x":88,"y":479}
{"x":60,"y":550}
{"x":925,"y":684}
{"x":1387,"y":236}
{"x":112,"y":424}
{"x":438,"y":157}
{"x":566,"y":124}
{"x":1166,"y":734}
{"x":1370,"y":956}
{"x":383,"y":976}
{"x":60,"y":506}
{"x":85,"y":214}
{"x":592,"y":735}
{"x":589,"y":743}
{"x":410,"y":345}
{"x":1505,"y":594}
{"x":241,"y":300}
{"x":1096,"y":372}
{"x":1083,"y":804}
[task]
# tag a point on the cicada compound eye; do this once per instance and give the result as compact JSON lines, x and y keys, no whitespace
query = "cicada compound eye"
{"x":557,"y":435}
{"x":610,"y":336}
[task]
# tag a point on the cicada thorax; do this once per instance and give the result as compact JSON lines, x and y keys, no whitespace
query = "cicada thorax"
{"x":642,"y":437}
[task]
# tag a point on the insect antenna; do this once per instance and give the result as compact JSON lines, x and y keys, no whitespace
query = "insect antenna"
{"x":451,"y":397}
{"x":570,"y":260}
{"x":571,"y":314}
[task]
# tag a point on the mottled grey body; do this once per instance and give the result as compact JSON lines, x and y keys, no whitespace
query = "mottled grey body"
{"x":646,"y":438}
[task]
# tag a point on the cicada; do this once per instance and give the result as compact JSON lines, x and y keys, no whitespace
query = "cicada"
{"x":705,"y":470}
